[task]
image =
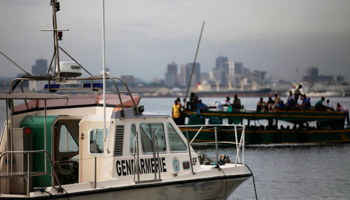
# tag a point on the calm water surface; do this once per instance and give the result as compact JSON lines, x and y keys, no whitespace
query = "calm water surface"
{"x":319,"y":171}
{"x":281,"y":172}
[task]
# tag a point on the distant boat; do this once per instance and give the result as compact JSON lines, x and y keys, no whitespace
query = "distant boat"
{"x":319,"y":90}
{"x":205,"y":90}
{"x":330,"y":126}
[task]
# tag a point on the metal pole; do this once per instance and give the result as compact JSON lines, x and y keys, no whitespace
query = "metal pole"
{"x":243,"y":144}
{"x":95,"y":174}
{"x":138,"y":156}
{"x":134,"y":154}
{"x":11,"y":132}
{"x":8,"y":136}
{"x":15,"y":63}
{"x":216,"y":146}
{"x":158,"y":165}
{"x":75,"y":61}
{"x":58,"y":70}
{"x":196,"y":134}
{"x":154,"y":153}
{"x":194,"y":63}
{"x":45,"y":136}
{"x":28,"y":169}
{"x":104,"y":69}
{"x":189,"y":151}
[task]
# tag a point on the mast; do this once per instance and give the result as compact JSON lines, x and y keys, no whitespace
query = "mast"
{"x":55,"y":7}
{"x":104,"y":69}
{"x":194,"y":63}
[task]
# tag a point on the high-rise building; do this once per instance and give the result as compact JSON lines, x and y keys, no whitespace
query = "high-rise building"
{"x":312,"y":76}
{"x":40,"y":67}
{"x":171,"y":75}
{"x":220,"y":62}
{"x":233,"y":70}
{"x":312,"y":71}
{"x":196,"y":72}
{"x":186,"y":75}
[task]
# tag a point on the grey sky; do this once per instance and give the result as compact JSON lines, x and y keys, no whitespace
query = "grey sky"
{"x":142,"y":37}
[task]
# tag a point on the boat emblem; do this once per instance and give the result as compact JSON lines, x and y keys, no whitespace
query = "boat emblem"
{"x":176,"y":165}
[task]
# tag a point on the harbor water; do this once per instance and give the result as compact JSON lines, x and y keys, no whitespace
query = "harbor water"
{"x":305,"y":171}
{"x":298,"y":171}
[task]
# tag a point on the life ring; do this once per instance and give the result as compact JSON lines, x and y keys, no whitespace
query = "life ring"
{"x":255,"y":138}
{"x":277,"y":137}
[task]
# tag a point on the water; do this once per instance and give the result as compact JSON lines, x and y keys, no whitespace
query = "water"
{"x":320,"y":171}
{"x":316,"y":171}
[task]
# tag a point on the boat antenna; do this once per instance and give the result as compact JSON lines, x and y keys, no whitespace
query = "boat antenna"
{"x":15,"y":64}
{"x":195,"y":58}
{"x":104,"y":69}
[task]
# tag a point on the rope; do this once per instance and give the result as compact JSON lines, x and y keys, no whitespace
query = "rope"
{"x":43,"y":190}
{"x":226,"y":184}
{"x":256,"y":195}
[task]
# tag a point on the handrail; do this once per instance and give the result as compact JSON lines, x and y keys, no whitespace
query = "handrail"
{"x":28,"y":165}
{"x":156,"y":159}
{"x":91,"y":79}
{"x":239,"y":144}
{"x":157,"y":164}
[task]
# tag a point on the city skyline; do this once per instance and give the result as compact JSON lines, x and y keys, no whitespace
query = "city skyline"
{"x":143,"y":37}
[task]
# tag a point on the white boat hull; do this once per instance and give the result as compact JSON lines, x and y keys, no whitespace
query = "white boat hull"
{"x":212,"y":184}
{"x":220,"y":187}
{"x":208,"y":189}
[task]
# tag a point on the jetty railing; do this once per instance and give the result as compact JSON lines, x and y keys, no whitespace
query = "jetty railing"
{"x":239,"y":142}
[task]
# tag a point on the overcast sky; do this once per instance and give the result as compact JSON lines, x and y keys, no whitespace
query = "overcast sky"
{"x":142,"y":37}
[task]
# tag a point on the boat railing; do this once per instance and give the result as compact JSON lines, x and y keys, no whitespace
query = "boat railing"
{"x":156,"y":159}
{"x":91,"y":79}
{"x":239,"y":142}
{"x":28,"y":174}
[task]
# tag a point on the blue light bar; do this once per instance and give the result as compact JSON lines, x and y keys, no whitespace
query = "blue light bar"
{"x":73,"y":86}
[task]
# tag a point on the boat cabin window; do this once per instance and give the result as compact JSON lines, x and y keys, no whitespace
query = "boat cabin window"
{"x":175,"y":141}
{"x":96,"y":140}
{"x":146,"y":131}
{"x":67,"y":143}
{"x":132,"y":137}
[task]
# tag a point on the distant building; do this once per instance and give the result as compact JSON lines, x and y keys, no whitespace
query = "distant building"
{"x":196,"y":71}
{"x":204,"y":77}
{"x":234,"y":71}
{"x":128,"y":79}
{"x":220,"y":62}
{"x":171,"y":75}
{"x":312,"y":76}
{"x":218,"y":76}
{"x":186,"y":74}
{"x":40,"y":67}
{"x":259,"y":75}
{"x":312,"y":71}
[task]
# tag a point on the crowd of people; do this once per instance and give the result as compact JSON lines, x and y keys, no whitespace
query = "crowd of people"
{"x":194,"y":104}
{"x":292,"y":103}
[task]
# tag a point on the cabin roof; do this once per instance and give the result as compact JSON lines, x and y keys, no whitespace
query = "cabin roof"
{"x":79,"y":100}
{"x":31,"y":96}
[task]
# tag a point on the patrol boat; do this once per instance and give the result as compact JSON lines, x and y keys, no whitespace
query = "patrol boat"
{"x":57,"y":146}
